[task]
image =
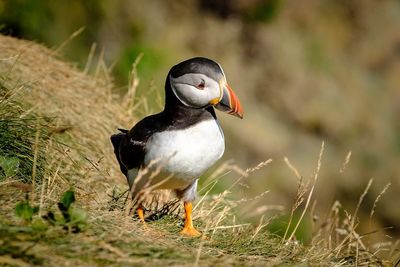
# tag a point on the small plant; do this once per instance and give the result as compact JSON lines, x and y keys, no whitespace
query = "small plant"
{"x":25,"y":211}
{"x":73,"y":219}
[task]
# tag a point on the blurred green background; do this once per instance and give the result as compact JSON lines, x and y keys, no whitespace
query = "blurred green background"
{"x":305,"y":72}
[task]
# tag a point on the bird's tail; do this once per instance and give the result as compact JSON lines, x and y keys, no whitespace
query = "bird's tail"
{"x":116,"y":142}
{"x":125,"y":131}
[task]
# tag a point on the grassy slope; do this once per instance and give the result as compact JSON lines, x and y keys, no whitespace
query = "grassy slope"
{"x":78,"y":112}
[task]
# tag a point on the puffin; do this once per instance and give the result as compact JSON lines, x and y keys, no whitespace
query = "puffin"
{"x":173,"y":148}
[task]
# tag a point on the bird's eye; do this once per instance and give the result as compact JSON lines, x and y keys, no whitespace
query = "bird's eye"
{"x":201,"y":85}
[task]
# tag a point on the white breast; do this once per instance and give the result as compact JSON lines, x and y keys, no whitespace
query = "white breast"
{"x":186,"y":153}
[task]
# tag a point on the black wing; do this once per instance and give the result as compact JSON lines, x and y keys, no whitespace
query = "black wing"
{"x":130,"y":146}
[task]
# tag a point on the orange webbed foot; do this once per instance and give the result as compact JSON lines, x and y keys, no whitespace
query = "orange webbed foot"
{"x":190,"y":231}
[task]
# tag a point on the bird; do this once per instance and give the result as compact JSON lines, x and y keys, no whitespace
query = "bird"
{"x":184,"y":140}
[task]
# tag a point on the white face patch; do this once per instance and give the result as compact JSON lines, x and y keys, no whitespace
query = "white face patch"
{"x":186,"y":89}
{"x":186,"y":153}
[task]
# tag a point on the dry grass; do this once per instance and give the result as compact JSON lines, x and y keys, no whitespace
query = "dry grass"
{"x":82,"y":112}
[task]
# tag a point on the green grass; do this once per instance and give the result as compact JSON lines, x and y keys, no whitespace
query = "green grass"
{"x":18,"y":132}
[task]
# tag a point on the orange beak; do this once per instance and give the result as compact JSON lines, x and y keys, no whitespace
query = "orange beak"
{"x":230,"y":102}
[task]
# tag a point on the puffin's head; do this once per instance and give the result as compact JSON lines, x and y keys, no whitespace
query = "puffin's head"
{"x":200,"y":82}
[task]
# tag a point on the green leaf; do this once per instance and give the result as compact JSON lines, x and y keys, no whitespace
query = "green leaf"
{"x":67,"y":199}
{"x":35,"y":210}
{"x":78,"y":215}
{"x":39,"y":225}
{"x":24,"y":211}
{"x":9,"y":165}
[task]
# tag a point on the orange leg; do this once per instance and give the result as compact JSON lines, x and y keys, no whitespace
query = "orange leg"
{"x":188,"y":228}
{"x":140,"y":213}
